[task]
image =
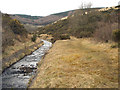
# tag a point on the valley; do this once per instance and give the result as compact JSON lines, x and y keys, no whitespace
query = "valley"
{"x":73,"y":49}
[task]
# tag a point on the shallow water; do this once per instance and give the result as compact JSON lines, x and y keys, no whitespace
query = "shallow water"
{"x":18,"y":75}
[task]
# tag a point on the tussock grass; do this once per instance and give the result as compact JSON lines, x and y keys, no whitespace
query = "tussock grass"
{"x":70,"y":58}
{"x":79,"y":63}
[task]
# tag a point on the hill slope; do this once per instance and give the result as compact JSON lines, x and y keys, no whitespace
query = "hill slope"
{"x":12,"y":30}
{"x":39,"y":20}
{"x":85,"y":23}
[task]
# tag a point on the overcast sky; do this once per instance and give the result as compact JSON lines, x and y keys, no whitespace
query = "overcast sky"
{"x":47,"y":7}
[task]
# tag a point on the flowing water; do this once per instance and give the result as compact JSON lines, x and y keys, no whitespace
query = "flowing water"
{"x":18,"y":75}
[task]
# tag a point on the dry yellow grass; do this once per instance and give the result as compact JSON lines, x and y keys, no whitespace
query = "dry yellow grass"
{"x":46,"y":37}
{"x":78,"y":63}
{"x":19,"y":46}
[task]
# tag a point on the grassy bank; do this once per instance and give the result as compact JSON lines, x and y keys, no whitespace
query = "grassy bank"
{"x":78,"y":63}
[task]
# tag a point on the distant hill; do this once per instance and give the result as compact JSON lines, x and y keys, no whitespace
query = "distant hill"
{"x":40,"y":20}
{"x":28,"y":16}
{"x":43,"y":20}
{"x":64,"y":14}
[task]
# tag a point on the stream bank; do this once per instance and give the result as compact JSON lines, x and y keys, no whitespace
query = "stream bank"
{"x":18,"y":75}
{"x":15,"y":57}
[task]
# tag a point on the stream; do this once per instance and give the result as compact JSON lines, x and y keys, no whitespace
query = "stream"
{"x":18,"y":75}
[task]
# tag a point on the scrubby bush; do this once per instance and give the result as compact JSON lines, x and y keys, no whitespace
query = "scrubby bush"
{"x":64,"y":36}
{"x":104,"y":31}
{"x":17,"y":27}
{"x":84,"y":34}
{"x":34,"y":38}
{"x":116,"y":35}
{"x":114,"y":46}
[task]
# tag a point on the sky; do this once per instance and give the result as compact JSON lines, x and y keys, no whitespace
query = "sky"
{"x":47,"y":7}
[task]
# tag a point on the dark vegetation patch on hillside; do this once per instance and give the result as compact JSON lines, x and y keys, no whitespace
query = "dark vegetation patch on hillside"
{"x":28,"y":16}
{"x":12,"y":30}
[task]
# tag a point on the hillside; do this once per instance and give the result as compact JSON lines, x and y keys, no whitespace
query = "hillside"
{"x":64,"y":14}
{"x":40,"y":20}
{"x":12,"y":30}
{"x":85,"y":23}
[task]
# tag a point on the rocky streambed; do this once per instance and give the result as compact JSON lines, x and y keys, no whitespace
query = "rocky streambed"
{"x":18,"y":75}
